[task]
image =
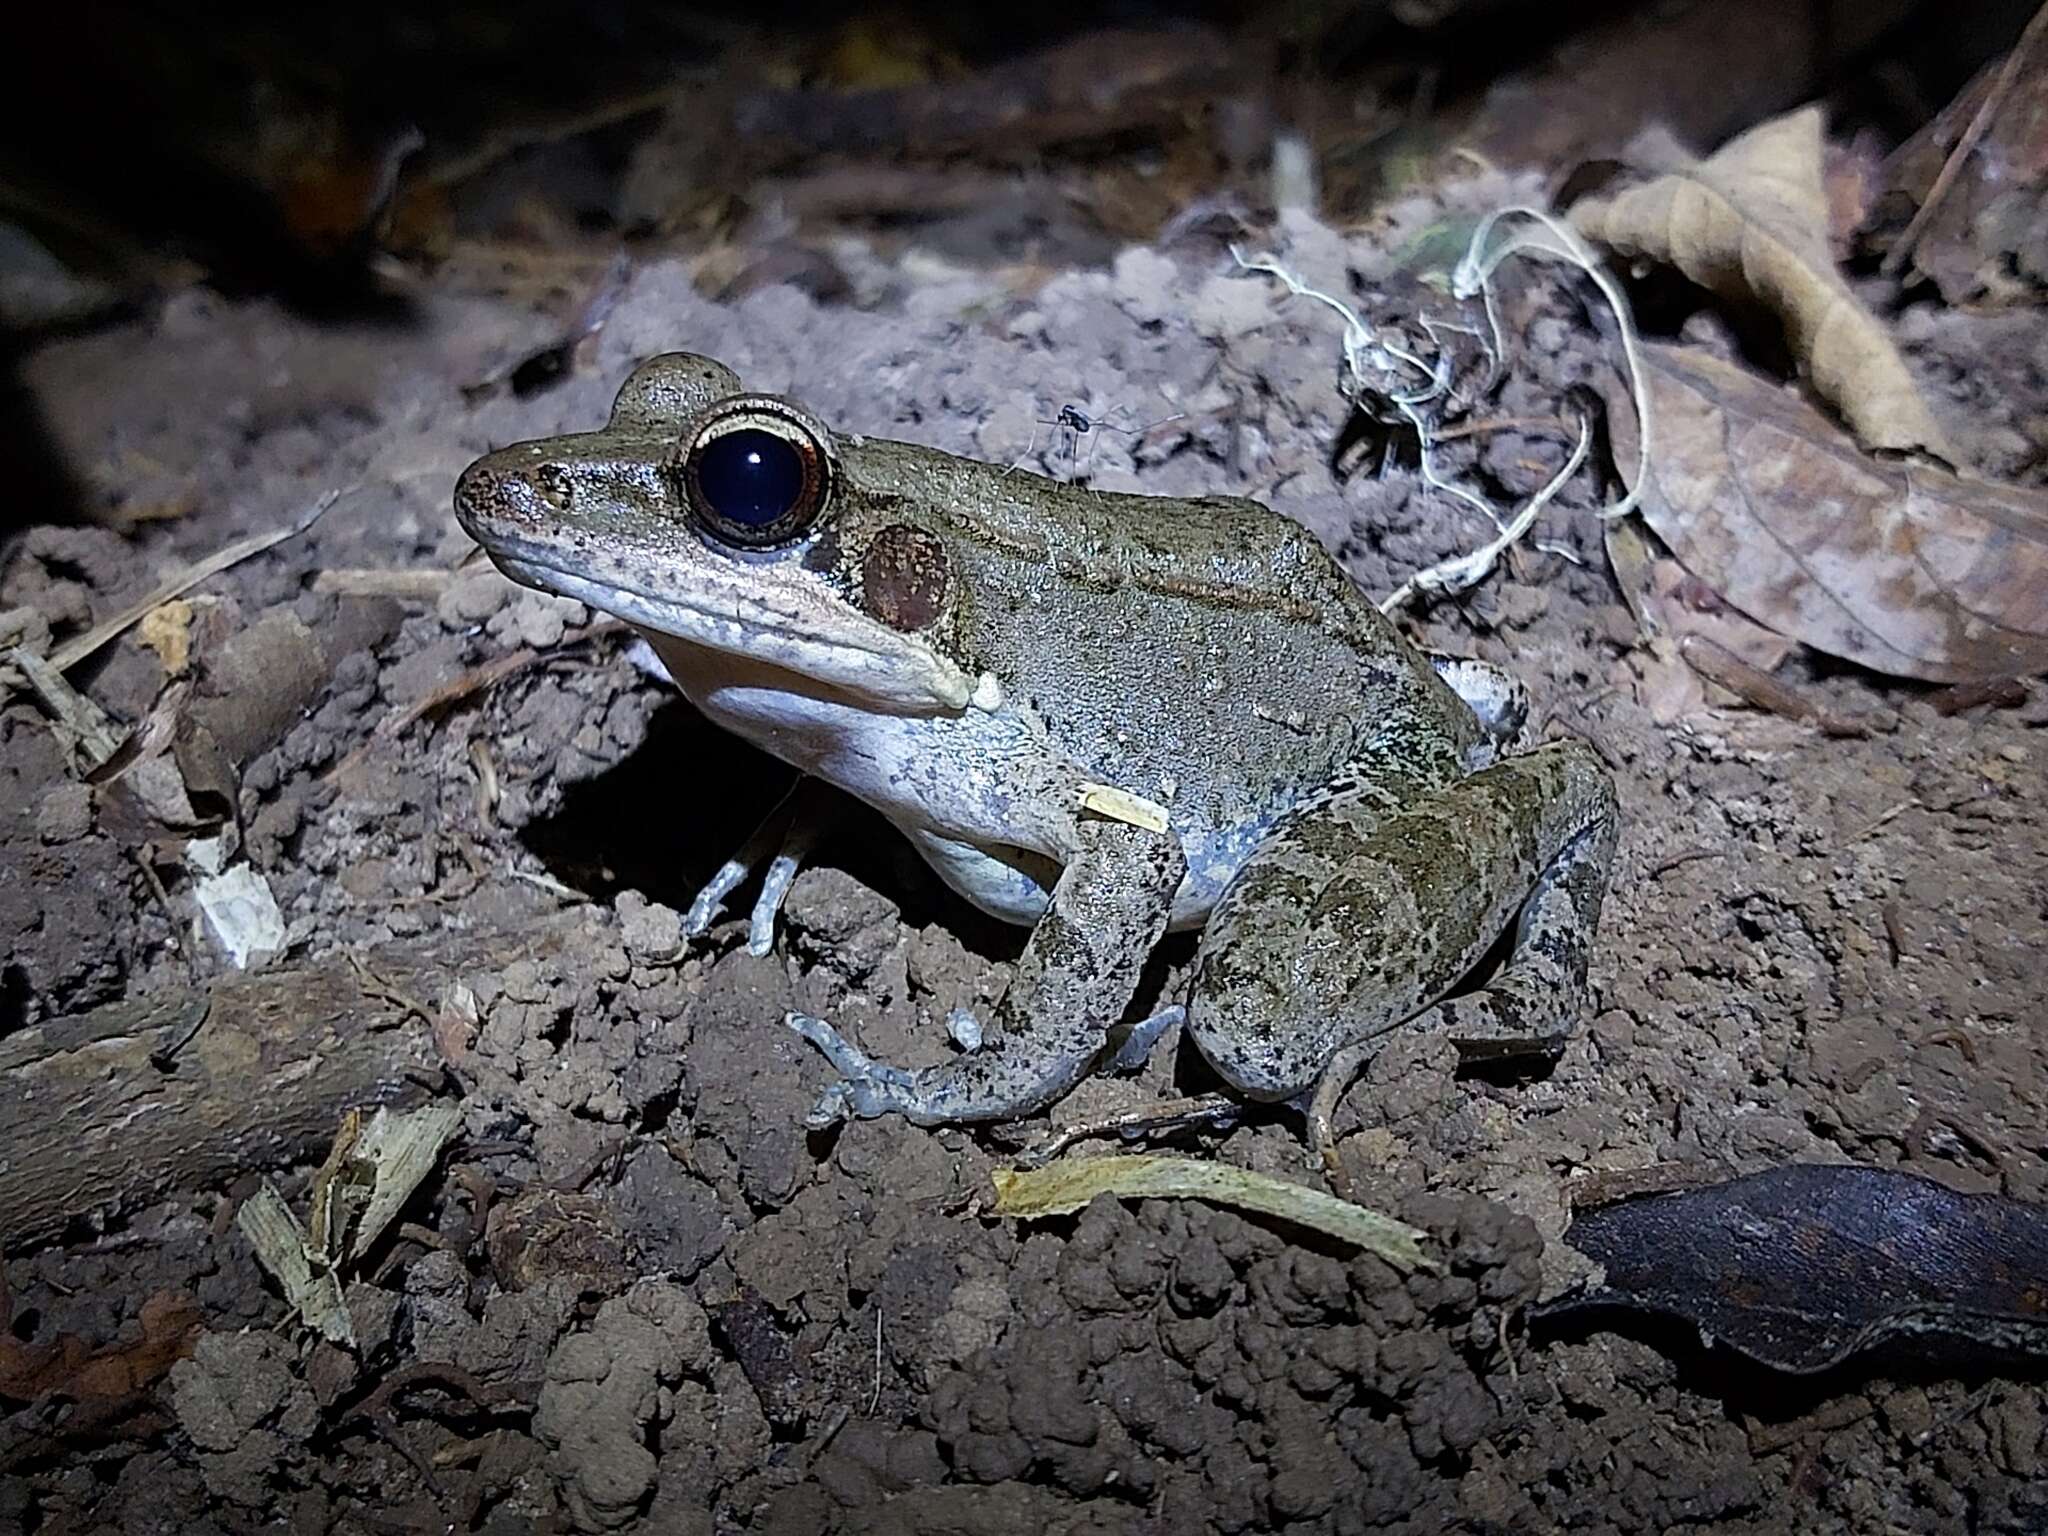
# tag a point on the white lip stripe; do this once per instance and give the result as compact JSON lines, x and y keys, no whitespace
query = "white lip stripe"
{"x":725,"y":617}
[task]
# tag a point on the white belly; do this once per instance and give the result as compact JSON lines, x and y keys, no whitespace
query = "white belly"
{"x":983,"y":795}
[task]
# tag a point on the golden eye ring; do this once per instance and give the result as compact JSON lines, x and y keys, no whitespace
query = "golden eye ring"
{"x":756,"y":470}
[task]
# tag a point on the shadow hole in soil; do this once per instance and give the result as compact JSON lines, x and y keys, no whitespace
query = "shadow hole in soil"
{"x":671,"y":812}
{"x":1663,"y":300}
{"x":658,"y":1111}
{"x":15,"y":993}
{"x":42,"y":486}
{"x":664,"y":818}
{"x":1365,"y":443}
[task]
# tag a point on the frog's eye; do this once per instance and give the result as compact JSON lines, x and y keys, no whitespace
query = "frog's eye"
{"x":757,"y":472}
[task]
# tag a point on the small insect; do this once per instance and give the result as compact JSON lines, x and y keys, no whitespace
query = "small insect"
{"x":1077,"y":422}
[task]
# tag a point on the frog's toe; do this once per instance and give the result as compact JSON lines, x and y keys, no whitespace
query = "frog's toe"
{"x":869,"y":1087}
{"x":779,"y":847}
{"x":843,"y":1053}
{"x":834,"y":1106}
{"x":768,"y":905}
{"x":1145,"y":1034}
{"x":710,"y":901}
{"x":707,"y":905}
{"x":855,"y":1099}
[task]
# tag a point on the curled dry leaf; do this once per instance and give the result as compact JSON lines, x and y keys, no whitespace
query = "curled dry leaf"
{"x":1751,"y":221}
{"x":1900,"y":567}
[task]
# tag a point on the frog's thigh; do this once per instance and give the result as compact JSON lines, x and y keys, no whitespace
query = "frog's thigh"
{"x":1312,"y":948}
{"x":1492,"y":693}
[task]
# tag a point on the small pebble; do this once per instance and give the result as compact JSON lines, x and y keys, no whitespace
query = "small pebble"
{"x":649,"y":930}
{"x":65,"y":813}
{"x":473,"y":597}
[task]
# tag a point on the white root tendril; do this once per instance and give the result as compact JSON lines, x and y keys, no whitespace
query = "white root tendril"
{"x":1448,"y":577}
{"x":1366,"y":357}
{"x":1555,"y":239}
{"x":1357,"y":338}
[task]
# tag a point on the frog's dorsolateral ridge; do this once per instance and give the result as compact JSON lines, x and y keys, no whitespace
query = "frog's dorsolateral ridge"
{"x":989,"y":658}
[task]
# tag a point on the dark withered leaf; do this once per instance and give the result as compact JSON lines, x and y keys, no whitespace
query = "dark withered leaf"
{"x":1803,"y":1266}
{"x":750,"y":1330}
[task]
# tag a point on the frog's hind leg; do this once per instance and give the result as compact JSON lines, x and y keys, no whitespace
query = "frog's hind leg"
{"x":1353,"y":920}
{"x":1531,"y":1004}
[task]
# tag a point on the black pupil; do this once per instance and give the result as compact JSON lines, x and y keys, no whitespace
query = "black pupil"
{"x":750,"y":477}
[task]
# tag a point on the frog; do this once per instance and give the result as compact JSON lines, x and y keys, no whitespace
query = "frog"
{"x":1097,"y":715}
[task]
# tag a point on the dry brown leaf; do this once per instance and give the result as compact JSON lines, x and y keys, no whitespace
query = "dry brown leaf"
{"x":67,"y":1365}
{"x":1900,"y":567}
{"x":1977,"y":231}
{"x":1670,"y":605}
{"x":1751,"y":221}
{"x":1668,"y":600}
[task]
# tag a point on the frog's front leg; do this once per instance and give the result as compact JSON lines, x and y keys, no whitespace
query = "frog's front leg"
{"x":1361,"y":914}
{"x":783,"y":843}
{"x":1073,"y":981}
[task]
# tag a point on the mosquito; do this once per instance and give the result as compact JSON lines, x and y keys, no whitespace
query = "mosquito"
{"x":1079,"y":424}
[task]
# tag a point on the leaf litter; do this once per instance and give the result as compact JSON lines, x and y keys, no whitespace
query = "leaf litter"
{"x":1901,"y":567}
{"x":1750,"y":222}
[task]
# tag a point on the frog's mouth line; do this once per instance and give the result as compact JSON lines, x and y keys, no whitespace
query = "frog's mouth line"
{"x":725,"y":616}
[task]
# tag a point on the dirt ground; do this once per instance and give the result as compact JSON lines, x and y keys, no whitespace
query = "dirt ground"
{"x":680,"y":1312}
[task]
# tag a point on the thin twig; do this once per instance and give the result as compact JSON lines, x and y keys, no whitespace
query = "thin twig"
{"x":1690,"y":856}
{"x":165,"y":1057}
{"x":1717,"y":664}
{"x":373,"y":985}
{"x":475,"y":680}
{"x":1555,"y":425}
{"x":72,"y":652}
{"x":875,"y":1400}
{"x":424,"y":585}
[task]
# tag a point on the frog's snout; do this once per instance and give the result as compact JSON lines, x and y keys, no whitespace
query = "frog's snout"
{"x":500,"y":492}
{"x":475,"y":490}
